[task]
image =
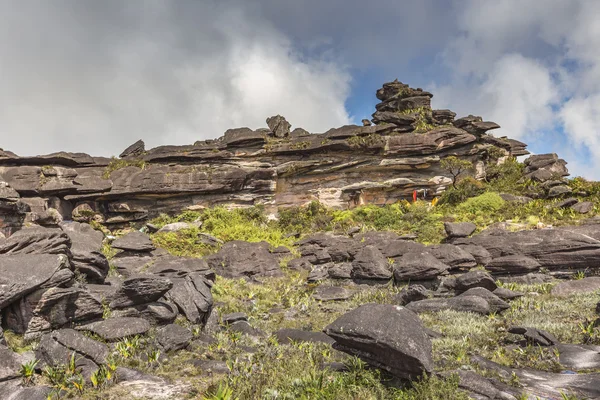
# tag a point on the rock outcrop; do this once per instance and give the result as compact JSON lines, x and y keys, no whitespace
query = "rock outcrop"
{"x":343,"y":167}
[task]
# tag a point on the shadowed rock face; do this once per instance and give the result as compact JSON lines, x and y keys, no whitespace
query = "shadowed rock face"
{"x":275,"y":166}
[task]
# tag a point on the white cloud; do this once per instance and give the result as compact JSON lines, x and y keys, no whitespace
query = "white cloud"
{"x":515,"y":62}
{"x":95,"y":77}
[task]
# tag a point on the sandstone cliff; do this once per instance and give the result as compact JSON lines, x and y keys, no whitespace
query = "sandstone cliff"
{"x":377,"y":163}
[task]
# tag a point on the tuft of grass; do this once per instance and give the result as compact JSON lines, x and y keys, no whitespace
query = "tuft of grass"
{"x":118,"y":163}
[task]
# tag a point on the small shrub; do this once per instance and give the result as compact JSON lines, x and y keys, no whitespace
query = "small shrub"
{"x":466,"y":188}
{"x":456,"y":167}
{"x":117,"y":163}
{"x":485,"y":203}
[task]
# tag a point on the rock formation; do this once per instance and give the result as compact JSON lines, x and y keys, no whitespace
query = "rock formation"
{"x":343,"y":167}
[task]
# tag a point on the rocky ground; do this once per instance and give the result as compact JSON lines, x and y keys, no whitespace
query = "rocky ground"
{"x":127,"y":278}
{"x":184,"y":309}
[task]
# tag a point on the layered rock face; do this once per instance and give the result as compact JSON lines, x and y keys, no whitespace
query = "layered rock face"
{"x":343,"y":167}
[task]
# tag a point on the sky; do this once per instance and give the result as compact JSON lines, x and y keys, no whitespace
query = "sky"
{"x":95,"y":76}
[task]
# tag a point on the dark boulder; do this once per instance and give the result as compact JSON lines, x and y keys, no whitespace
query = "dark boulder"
{"x":10,"y":364}
{"x":86,"y":249}
{"x":496,"y":303}
{"x":24,"y":273}
{"x":479,"y":253}
{"x":140,"y":290}
{"x":418,"y":266}
{"x":386,"y":336}
{"x":459,"y":229}
{"x":134,"y":241}
{"x":411,"y":293}
{"x":453,"y":256}
{"x":157,"y":313}
{"x":473,"y":279}
{"x":369,"y":263}
{"x":584,"y":207}
{"x":279,"y":126}
{"x":173,"y":337}
{"x":136,"y":149}
{"x":230,"y":318}
{"x":193,"y":297}
{"x":507,"y":294}
{"x":36,"y":240}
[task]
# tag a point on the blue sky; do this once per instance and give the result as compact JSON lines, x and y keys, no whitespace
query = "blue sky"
{"x":83,"y":75}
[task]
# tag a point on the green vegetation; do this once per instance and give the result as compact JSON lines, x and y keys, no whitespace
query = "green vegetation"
{"x":456,"y":167}
{"x":118,"y":163}
{"x":368,"y":141}
{"x":423,"y":119}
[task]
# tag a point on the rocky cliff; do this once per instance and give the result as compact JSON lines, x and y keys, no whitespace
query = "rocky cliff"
{"x":378,"y":163}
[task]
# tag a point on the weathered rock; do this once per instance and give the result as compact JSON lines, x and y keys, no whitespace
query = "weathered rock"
{"x":134,"y":241}
{"x":279,"y":126}
{"x":496,"y":303}
{"x":534,"y":336}
{"x":418,"y":266}
{"x":544,"y":167}
{"x":113,"y":329}
{"x":25,"y":393}
{"x":584,"y":207}
{"x":558,"y":191}
{"x":59,"y":307}
{"x":140,"y":290}
{"x":507,"y":294}
{"x":514,"y":264}
{"x":453,"y":256}
{"x":473,"y":304}
{"x":473,"y":279}
{"x":569,"y":288}
{"x":243,"y":259}
{"x":245,"y":328}
{"x":9,"y":364}
{"x":24,"y":273}
{"x":228,"y":319}
{"x":559,"y":248}
{"x":173,"y":337}
{"x":386,"y":336}
{"x":331,"y":293}
{"x":136,"y":149}
{"x":479,"y":253}
{"x":287,"y":336}
{"x":86,"y":249}
{"x":193,"y":297}
{"x":511,"y":198}
{"x":478,"y":386}
{"x":36,"y":240}
{"x":178,"y":226}
{"x":157,"y":313}
{"x":411,"y":293}
{"x":579,"y":357}
{"x":369,"y":263}
{"x":459,"y":229}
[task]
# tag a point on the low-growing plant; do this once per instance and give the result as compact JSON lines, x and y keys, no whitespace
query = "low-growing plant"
{"x":27,"y":371}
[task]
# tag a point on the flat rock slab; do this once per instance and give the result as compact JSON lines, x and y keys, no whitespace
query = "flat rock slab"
{"x":579,"y":357}
{"x":118,"y":328}
{"x":331,"y":293}
{"x":534,"y":336}
{"x":134,"y":241}
{"x":173,"y":337}
{"x":474,"y":304}
{"x":569,"y":288}
{"x":553,"y":385}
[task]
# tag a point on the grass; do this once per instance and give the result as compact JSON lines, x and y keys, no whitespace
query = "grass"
{"x":118,"y":163}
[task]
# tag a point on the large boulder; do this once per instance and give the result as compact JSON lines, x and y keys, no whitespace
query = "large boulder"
{"x":496,"y":303}
{"x":192,"y":297}
{"x":279,"y":126}
{"x":140,"y":290}
{"x":36,"y":240}
{"x":473,"y":279}
{"x":24,"y":273}
{"x":369,"y":263}
{"x":459,"y":229}
{"x":386,"y":336}
{"x":86,"y":248}
{"x":9,"y":364}
{"x":569,"y":288}
{"x":173,"y":337}
{"x":59,"y":307}
{"x":418,"y":266}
